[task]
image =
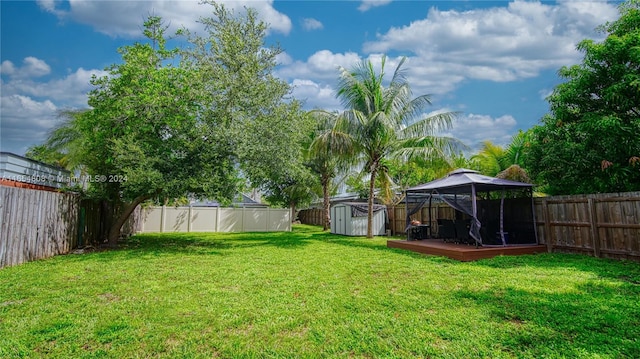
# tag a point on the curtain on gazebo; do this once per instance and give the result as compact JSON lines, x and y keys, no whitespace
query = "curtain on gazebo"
{"x":501,"y":211}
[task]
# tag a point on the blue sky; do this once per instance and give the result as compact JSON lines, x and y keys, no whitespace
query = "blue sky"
{"x":493,"y":61}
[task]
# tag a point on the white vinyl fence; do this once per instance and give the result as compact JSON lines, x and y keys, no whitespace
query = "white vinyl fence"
{"x":215,"y":219}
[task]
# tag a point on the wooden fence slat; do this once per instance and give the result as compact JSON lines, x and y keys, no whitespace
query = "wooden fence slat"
{"x":593,"y":219}
{"x":547,"y":225}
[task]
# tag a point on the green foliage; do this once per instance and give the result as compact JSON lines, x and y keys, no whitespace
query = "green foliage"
{"x":589,"y":141}
{"x":323,"y":159}
{"x":489,"y":160}
{"x":247,"y":107}
{"x":45,"y":154}
{"x":168,"y":123}
{"x":63,"y":144}
{"x":308,"y":294}
{"x":384,"y":122}
{"x":398,"y":174}
{"x":144,"y":126}
{"x":493,"y":160}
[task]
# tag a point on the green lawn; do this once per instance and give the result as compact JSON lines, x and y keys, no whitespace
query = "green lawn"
{"x":313,"y":294}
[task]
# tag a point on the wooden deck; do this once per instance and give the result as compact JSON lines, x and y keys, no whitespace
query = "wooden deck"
{"x":463,"y":252}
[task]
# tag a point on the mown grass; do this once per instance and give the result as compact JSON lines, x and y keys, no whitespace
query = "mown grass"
{"x":313,"y":294}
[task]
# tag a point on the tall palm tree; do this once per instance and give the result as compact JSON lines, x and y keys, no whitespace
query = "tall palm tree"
{"x":323,"y":160}
{"x":493,"y":159}
{"x":490,"y":159}
{"x":383,"y":122}
{"x":516,"y":151}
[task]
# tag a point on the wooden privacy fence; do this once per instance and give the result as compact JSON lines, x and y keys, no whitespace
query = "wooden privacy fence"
{"x":601,"y":225}
{"x":39,"y":224}
{"x":36,"y":224}
{"x":314,"y":216}
{"x":215,"y":219}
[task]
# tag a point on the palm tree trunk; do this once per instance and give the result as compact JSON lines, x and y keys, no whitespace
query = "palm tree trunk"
{"x":372,"y":186}
{"x":326,"y":203}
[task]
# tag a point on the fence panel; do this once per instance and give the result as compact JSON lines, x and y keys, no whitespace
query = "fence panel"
{"x":36,"y":224}
{"x":39,"y":224}
{"x":313,"y":216}
{"x":204,"y":219}
{"x":602,"y":225}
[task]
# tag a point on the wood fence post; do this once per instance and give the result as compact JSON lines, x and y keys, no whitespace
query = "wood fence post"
{"x":595,"y":233}
{"x":547,"y":226}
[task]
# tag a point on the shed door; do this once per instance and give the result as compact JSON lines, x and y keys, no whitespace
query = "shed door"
{"x":341,"y":219}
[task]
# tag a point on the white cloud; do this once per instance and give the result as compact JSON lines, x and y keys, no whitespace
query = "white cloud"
{"x":499,"y":44}
{"x":34,"y":67}
{"x":25,"y":121}
{"x":7,"y":68}
{"x":124,"y":18}
{"x":315,"y":95}
{"x":544,"y":93}
{"x":284,"y":59}
{"x":447,"y":48}
{"x":473,"y":129}
{"x":322,"y":65}
{"x":71,"y":90}
{"x":368,"y":4}
{"x":31,"y":67}
{"x":311,"y":24}
{"x":30,"y":108}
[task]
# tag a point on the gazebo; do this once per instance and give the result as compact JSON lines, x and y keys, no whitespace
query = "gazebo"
{"x":500,"y":212}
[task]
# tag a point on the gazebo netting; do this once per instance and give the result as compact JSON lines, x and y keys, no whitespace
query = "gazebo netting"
{"x":500,"y":211}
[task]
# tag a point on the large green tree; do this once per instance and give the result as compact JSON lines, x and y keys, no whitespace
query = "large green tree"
{"x":199,"y":121}
{"x":384,"y":122}
{"x":589,"y":142}
{"x":256,"y":120}
{"x":143,"y":137}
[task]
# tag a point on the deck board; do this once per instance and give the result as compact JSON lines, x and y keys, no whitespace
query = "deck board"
{"x":463,"y":252}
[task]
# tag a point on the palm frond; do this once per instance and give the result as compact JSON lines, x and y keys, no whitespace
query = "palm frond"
{"x":430,"y":125}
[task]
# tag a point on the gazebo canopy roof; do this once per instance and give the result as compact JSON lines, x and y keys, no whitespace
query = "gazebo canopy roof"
{"x":460,"y":181}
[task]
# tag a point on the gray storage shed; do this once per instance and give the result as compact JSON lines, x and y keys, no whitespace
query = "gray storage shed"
{"x":350,"y":219}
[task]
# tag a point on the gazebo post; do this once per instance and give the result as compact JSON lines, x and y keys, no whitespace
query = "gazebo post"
{"x":406,"y":212}
{"x":533,"y":214}
{"x":474,"y":210}
{"x":504,"y":242}
{"x":430,"y":222}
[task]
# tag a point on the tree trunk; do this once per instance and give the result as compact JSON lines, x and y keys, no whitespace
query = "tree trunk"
{"x":391,"y":213}
{"x":372,"y":186}
{"x":293,"y":211}
{"x":326,"y":203}
{"x":114,"y":230}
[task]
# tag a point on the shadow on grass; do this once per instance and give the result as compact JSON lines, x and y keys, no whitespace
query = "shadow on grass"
{"x":597,"y":319}
{"x":206,"y":243}
{"x":627,"y":271}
